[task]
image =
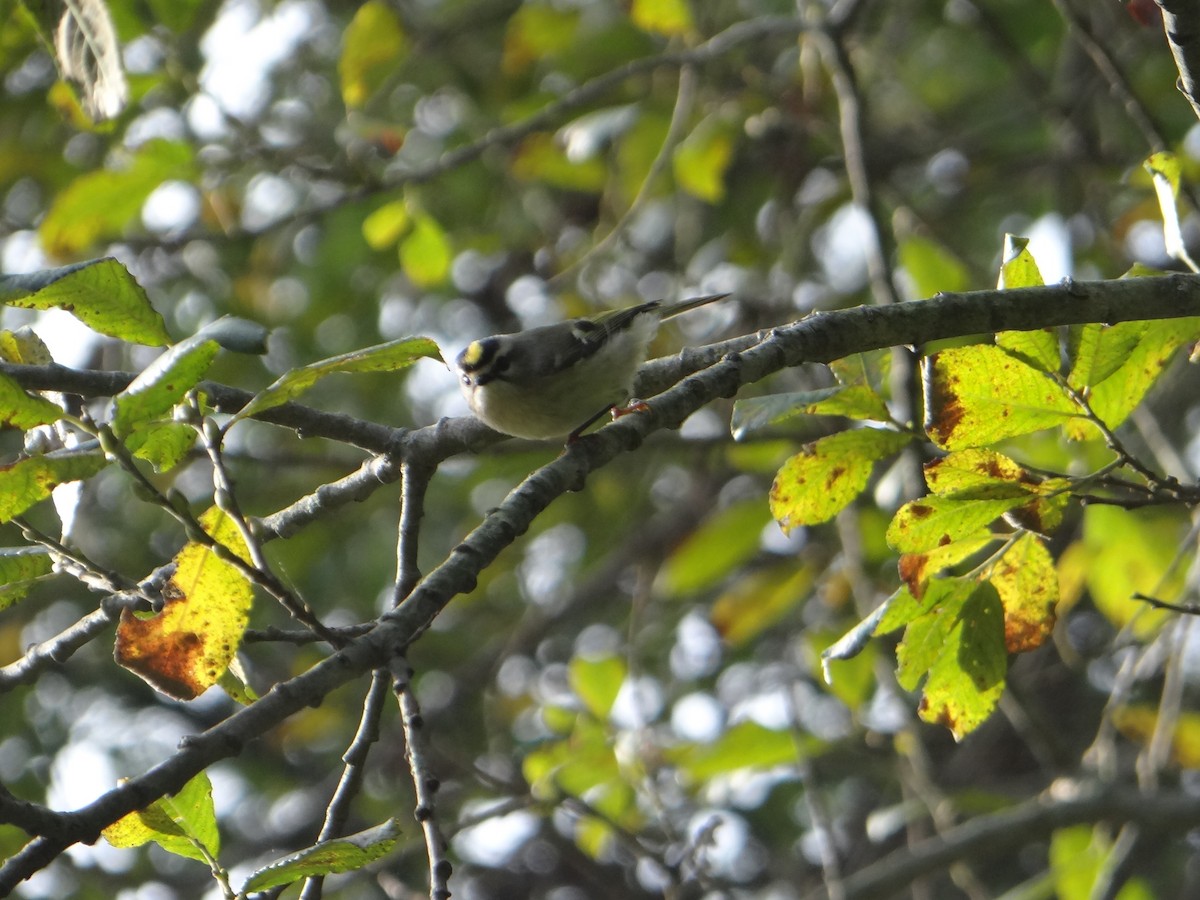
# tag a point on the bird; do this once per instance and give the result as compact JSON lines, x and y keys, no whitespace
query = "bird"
{"x":556,"y":380}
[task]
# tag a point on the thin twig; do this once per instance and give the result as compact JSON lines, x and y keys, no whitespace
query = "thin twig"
{"x":412,"y":509}
{"x":425,"y":783}
{"x":337,"y":811}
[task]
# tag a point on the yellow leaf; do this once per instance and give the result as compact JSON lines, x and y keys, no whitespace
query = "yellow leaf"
{"x":187,"y":647}
{"x":1027,"y":583}
{"x":825,"y":477}
{"x":981,"y":394}
{"x":372,"y":49}
{"x":667,"y":17}
{"x":383,"y":227}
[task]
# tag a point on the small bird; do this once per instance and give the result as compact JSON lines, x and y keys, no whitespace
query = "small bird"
{"x":558,"y":379}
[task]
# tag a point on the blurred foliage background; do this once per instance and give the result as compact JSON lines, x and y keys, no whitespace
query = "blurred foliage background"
{"x":631,"y":702}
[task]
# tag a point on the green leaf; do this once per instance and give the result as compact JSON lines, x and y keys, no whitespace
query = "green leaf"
{"x":1081,"y":862}
{"x":1097,"y":351}
{"x":163,"y":383}
{"x":192,"y":810}
{"x":719,"y":546}
{"x":345,"y":854}
{"x":574,"y":765}
{"x":597,"y":682}
{"x":162,"y":444}
{"x":1130,"y":552}
{"x":977,"y":474}
{"x":931,"y":267}
{"x":19,"y":409}
{"x":757,"y":414}
{"x":1118,"y":394}
{"x":29,"y":481}
{"x":825,"y":477}
{"x":100,"y":205}
{"x":931,"y":522}
{"x":389,"y":357}
{"x":100,"y":293}
{"x":746,"y":745}
{"x":184,"y":824}
{"x":23,"y":346}
{"x":700,"y":160}
{"x":425,"y":253}
{"x":20,"y":567}
{"x":1019,"y":268}
{"x":373,"y":49}
{"x":958,"y":647}
{"x":904,"y":607}
{"x":982,"y":394}
{"x":1038,"y":348}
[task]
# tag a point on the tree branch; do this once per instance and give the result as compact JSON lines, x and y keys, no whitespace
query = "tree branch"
{"x":1006,"y":832}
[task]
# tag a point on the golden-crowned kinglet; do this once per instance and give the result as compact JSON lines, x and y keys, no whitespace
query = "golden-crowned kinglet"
{"x":557,"y":379}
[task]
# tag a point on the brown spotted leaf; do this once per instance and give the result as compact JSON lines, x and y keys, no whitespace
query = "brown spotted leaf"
{"x":931,"y":522}
{"x":825,"y":477}
{"x":982,"y":394}
{"x":979,"y":474}
{"x":1027,"y":582}
{"x":184,"y":649}
{"x":917,"y":568}
{"x":31,"y":480}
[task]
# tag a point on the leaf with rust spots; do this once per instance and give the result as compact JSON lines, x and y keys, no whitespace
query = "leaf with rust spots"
{"x":825,"y":477}
{"x":969,"y":470}
{"x":982,"y":394}
{"x":917,"y":568}
{"x":29,"y":481}
{"x":187,"y":647}
{"x":1041,"y":515}
{"x":924,"y":525}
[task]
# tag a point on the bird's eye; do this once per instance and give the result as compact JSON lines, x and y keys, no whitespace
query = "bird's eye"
{"x":501,"y":364}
